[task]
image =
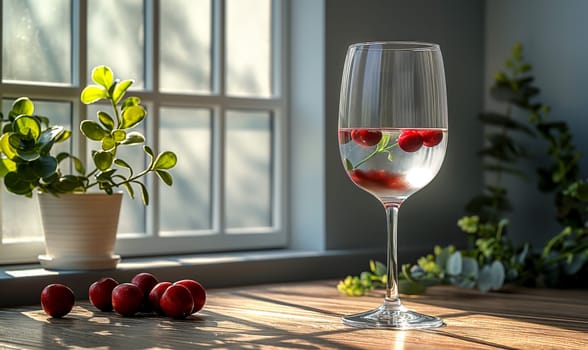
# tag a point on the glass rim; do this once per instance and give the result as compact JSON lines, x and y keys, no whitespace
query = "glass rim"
{"x":396,"y":46}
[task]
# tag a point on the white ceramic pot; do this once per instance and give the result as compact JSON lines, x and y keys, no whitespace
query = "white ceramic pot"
{"x":80,"y":230}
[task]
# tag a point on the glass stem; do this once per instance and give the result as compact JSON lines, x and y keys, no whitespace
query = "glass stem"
{"x":392,"y":300}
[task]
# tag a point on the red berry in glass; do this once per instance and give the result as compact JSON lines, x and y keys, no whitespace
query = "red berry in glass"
{"x":366,"y":137}
{"x":155,"y":296}
{"x":57,"y":300}
{"x":127,"y":299}
{"x":198,"y":293}
{"x":100,"y":293}
{"x":431,"y":138}
{"x":410,"y":140}
{"x":177,"y":301}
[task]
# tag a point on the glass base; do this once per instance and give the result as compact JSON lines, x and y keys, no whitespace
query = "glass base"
{"x":392,"y":318}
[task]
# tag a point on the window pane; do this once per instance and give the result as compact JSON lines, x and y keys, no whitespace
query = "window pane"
{"x":185,"y":46}
{"x":248,"y":169}
{"x":36,"y":38}
{"x":248,"y":48}
{"x":132,"y":214}
{"x":187,"y":206}
{"x":15,"y":226}
{"x":116,"y":38}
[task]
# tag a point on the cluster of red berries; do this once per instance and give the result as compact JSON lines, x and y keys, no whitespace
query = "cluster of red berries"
{"x":378,"y":179}
{"x":410,"y":140}
{"x":143,"y":294}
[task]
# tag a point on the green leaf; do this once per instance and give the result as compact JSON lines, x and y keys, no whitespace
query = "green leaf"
{"x":102,"y":159}
{"x":149,"y":152}
{"x":6,"y":148}
{"x":51,"y":136}
{"x":383,"y":142}
{"x":485,"y":279}
{"x":129,"y":189}
{"x":102,"y":75}
{"x":69,"y":183}
{"x":454,"y":264}
{"x":27,"y":127}
{"x":144,"y":192}
{"x":22,"y":105}
{"x":348,"y":165}
{"x":133,"y":137}
{"x":6,"y":166}
{"x":106,"y":175}
{"x":443,"y":256}
{"x":469,"y":267}
{"x":165,"y":177}
{"x":120,"y":90}
{"x":132,"y":116}
{"x":106,"y":120}
{"x":93,"y":93}
{"x":17,"y":185}
{"x":44,"y":166}
{"x":93,"y":130}
{"x":119,"y":135}
{"x":165,"y":160}
{"x":578,"y":261}
{"x":131,"y":101}
{"x":123,"y":164}
{"x":378,"y":268}
{"x":497,"y":274}
{"x":77,"y":163}
{"x":491,"y":277}
{"x":108,"y":143}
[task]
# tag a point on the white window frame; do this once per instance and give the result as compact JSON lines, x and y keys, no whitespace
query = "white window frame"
{"x":218,"y":238}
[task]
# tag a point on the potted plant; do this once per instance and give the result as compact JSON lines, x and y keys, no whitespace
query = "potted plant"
{"x":80,"y":210}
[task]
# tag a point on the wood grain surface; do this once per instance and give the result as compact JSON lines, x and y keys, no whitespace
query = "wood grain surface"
{"x":307,"y":316}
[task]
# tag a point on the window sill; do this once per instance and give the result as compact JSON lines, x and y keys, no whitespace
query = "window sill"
{"x":22,"y":284}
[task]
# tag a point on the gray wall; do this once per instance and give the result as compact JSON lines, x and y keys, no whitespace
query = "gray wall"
{"x":553,"y":34}
{"x":354,"y":218}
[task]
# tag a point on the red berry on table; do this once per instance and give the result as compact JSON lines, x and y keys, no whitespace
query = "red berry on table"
{"x":431,"y":137}
{"x":198,"y":293}
{"x":155,"y":296}
{"x":410,"y":140}
{"x":57,"y":300}
{"x":366,"y":137}
{"x":177,"y":301}
{"x":127,"y":299}
{"x":145,"y":281}
{"x":100,"y":293}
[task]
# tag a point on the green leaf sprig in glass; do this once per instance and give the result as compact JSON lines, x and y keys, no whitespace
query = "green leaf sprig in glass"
{"x":26,"y":162}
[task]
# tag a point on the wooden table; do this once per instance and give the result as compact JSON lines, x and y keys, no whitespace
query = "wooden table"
{"x":307,"y":316}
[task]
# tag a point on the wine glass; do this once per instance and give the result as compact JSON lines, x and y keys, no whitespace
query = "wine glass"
{"x":392,"y":140}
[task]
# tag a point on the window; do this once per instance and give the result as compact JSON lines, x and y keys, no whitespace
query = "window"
{"x":212,"y":81}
